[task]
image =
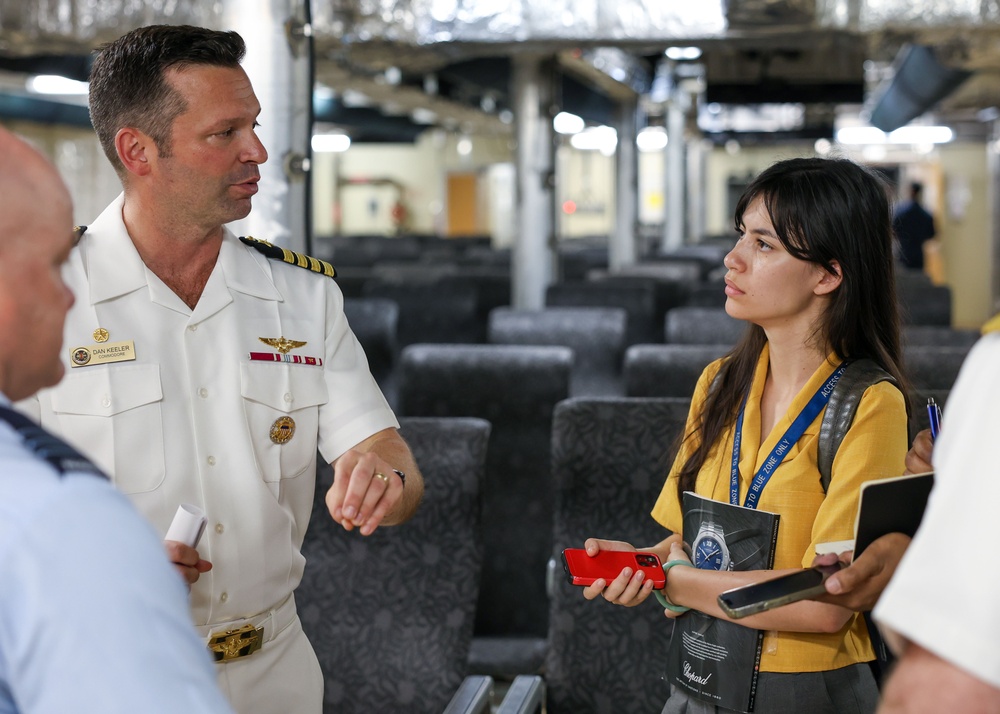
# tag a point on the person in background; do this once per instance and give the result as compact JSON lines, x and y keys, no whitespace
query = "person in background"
{"x":913,"y":227}
{"x":207,"y":370}
{"x":93,"y":619}
{"x":812,"y":271}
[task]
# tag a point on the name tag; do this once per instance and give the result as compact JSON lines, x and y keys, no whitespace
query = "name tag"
{"x":103,"y":353}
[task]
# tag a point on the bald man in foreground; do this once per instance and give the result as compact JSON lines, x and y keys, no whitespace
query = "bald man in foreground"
{"x":93,"y":618}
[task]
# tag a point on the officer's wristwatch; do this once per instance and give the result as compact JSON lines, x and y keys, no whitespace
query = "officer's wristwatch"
{"x":709,"y":549}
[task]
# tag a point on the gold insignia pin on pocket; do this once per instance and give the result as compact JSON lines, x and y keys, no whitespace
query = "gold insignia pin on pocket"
{"x":282,"y":430}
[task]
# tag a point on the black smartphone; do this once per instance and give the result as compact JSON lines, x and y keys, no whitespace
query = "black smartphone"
{"x":751,"y":599}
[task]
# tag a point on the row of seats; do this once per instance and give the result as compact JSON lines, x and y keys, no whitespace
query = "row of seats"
{"x":428,"y":373}
{"x":604,"y":364}
{"x":423,"y":258}
{"x":479,"y":277}
{"x":381,"y":322}
{"x":455,"y":307}
{"x":672,"y":370}
{"x":393,"y":617}
{"x":575,"y":260}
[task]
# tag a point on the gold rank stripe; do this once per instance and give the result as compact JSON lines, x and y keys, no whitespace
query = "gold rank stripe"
{"x":291,"y":257}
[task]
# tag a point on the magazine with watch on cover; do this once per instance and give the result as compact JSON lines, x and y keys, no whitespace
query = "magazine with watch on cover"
{"x":714,"y":660}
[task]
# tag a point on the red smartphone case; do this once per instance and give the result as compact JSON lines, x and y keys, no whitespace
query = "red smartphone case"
{"x":608,"y":564}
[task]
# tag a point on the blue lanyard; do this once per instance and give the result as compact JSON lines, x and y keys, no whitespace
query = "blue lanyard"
{"x":774,"y":459}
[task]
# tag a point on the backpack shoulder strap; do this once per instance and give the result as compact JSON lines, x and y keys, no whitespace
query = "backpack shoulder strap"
{"x":839,"y":415}
{"x":840,"y":410}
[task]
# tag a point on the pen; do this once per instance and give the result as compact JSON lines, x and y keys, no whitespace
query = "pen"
{"x":934,"y":413}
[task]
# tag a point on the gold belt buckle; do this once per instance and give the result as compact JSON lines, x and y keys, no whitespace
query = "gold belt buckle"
{"x":233,"y":644}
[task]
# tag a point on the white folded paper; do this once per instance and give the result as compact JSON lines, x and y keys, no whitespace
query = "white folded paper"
{"x":834,"y":546}
{"x":188,"y":525}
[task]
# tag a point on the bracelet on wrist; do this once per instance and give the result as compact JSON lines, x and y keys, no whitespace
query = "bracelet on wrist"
{"x":680,"y":609}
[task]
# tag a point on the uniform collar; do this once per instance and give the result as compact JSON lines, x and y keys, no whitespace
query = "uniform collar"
{"x":245,"y":270}
{"x":235,"y":271}
{"x":112,"y":263}
{"x":114,"y":267}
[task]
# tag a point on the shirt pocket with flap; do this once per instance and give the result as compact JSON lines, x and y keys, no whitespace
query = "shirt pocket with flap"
{"x":112,"y":414}
{"x":281,"y":403}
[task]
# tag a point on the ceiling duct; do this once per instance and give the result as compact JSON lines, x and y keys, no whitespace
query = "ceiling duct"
{"x":418,"y":22}
{"x":77,"y":26}
{"x":878,"y":15}
{"x":765,"y":123}
{"x":762,"y":13}
{"x":822,"y":69}
{"x":919,"y":81}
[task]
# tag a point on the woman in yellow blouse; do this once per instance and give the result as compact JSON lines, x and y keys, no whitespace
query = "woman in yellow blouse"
{"x":812,"y":271}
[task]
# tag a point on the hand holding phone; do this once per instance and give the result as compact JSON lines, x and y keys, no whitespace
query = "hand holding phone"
{"x":783,"y":590}
{"x":584,"y":569}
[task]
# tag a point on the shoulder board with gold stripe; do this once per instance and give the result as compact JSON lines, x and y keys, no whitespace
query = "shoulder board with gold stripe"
{"x":290,"y":256}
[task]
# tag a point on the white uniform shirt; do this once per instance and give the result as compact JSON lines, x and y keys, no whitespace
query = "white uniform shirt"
{"x":92,"y":616}
{"x":189,"y":419}
{"x":945,"y":592}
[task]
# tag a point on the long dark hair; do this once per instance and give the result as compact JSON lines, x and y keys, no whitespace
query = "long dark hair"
{"x":822,"y":210}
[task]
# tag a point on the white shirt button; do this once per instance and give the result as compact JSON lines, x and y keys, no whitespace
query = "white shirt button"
{"x":219,"y":528}
{"x":106,"y":401}
{"x":202,"y":392}
{"x":288,"y":398}
{"x":193,"y":328}
{"x":211,"y":460}
{"x":223,"y":597}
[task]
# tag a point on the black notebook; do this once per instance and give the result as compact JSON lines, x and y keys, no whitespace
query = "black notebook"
{"x":891,"y":505}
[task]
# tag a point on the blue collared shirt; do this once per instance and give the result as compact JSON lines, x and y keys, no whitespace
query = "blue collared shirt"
{"x":93,"y":618}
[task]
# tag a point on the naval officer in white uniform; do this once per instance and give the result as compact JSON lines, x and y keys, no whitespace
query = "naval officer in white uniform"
{"x":205,"y":370}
